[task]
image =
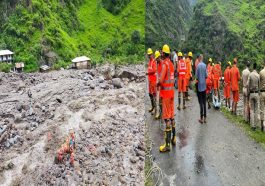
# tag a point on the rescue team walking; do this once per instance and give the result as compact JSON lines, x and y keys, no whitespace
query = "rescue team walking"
{"x":162,"y":73}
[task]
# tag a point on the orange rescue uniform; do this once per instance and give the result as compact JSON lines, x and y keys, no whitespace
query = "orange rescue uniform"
{"x":217,"y":73}
{"x":188,"y":73}
{"x":182,"y":70}
{"x":167,"y":89}
{"x":159,"y":71}
{"x":227,"y":83}
{"x":235,"y":77}
{"x":152,"y":76}
{"x":209,"y":80}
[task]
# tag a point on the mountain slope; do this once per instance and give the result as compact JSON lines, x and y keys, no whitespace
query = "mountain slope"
{"x":224,"y":29}
{"x":35,"y":28}
{"x":167,"y":21}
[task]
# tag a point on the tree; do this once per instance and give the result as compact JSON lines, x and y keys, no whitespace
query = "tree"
{"x":136,"y":37}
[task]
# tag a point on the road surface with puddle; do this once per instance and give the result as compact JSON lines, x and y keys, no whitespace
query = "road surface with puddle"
{"x":216,"y":153}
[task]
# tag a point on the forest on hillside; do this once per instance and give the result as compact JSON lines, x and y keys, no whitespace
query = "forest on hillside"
{"x":224,"y":33}
{"x":35,"y":30}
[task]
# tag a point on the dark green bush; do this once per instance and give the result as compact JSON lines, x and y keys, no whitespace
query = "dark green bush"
{"x":115,"y":6}
{"x":5,"y":67}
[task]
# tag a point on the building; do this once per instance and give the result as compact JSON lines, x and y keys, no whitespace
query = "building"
{"x":6,"y":56}
{"x":82,"y":62}
{"x":19,"y":67}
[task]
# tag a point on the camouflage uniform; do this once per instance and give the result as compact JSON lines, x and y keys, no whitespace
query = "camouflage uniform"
{"x":245,"y":75}
{"x":262,"y":96}
{"x":253,"y":85}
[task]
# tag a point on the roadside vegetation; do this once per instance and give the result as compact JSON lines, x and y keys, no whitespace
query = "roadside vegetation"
{"x":257,"y":135}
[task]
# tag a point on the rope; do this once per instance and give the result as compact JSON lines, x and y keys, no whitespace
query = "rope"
{"x":155,"y":170}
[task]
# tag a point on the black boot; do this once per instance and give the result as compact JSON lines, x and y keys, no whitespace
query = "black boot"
{"x":262,"y":126}
{"x":152,"y":102}
{"x":184,"y":106}
{"x":166,"y":146}
{"x":174,"y":138}
{"x":179,"y":99}
{"x":208,"y":101}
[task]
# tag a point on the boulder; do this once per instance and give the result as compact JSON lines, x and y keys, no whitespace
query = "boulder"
{"x":117,"y":83}
{"x":21,"y":86}
{"x":127,"y":72}
{"x":101,"y":79}
{"x":108,"y":71}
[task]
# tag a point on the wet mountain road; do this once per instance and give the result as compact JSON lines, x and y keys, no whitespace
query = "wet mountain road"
{"x":216,"y":153}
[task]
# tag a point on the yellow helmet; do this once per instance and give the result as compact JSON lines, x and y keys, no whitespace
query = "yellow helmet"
{"x":157,"y":54}
{"x":166,"y":49}
{"x":190,"y":54}
{"x":210,"y":60}
{"x":180,"y":54}
{"x":149,"y":51}
{"x":229,"y":63}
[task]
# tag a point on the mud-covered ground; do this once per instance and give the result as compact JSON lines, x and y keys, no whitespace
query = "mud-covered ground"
{"x":104,"y":108}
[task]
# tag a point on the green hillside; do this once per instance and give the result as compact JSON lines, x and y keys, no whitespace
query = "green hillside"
{"x":167,"y":21}
{"x":35,"y":28}
{"x":224,"y":29}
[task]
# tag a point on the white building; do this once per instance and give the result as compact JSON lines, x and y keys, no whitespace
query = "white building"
{"x":82,"y":62}
{"x":6,"y":56}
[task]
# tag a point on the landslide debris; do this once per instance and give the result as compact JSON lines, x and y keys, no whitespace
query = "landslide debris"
{"x":37,"y":111}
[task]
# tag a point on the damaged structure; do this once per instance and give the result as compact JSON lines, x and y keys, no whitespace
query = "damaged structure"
{"x":82,"y":62}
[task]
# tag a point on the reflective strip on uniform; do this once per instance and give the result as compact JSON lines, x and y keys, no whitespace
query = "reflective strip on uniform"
{"x":169,"y":81}
{"x":167,"y":88}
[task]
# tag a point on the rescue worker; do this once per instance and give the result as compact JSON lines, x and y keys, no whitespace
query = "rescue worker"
{"x":182,"y":70}
{"x":262,"y":97}
{"x":151,"y":72}
{"x":166,"y":83}
{"x":188,"y":74}
{"x":175,"y":62}
{"x":235,"y":78}
{"x":159,"y":69}
{"x":217,"y":74}
{"x":245,"y":75}
{"x":227,"y":84}
{"x":209,"y":82}
{"x":253,"y":84}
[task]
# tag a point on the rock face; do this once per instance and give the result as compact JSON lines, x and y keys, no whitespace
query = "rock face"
{"x":107,"y":117}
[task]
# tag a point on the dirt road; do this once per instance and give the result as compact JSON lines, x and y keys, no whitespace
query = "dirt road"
{"x":216,"y":153}
{"x":103,"y":106}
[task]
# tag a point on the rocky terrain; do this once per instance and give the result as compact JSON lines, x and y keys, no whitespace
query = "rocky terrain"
{"x":104,"y":108}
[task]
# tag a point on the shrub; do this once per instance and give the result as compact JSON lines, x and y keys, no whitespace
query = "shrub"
{"x":60,"y":64}
{"x":5,"y":67}
{"x":136,"y":37}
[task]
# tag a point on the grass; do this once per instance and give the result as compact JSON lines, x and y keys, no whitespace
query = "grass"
{"x":72,"y":29}
{"x":148,"y":163}
{"x":147,"y":167}
{"x":102,"y":29}
{"x":257,"y":135}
